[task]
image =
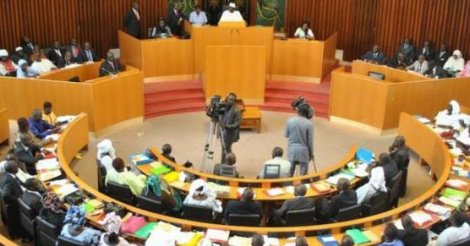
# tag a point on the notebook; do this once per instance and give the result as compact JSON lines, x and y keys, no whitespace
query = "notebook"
{"x":321,"y":186}
{"x":275,"y":192}
{"x":454,"y":194}
{"x":327,"y":240}
{"x":160,"y":170}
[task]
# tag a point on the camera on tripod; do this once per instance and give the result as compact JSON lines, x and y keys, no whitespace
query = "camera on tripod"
{"x":216,"y":107}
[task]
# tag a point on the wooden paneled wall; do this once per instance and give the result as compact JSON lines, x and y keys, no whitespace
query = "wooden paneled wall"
{"x":360,"y":23}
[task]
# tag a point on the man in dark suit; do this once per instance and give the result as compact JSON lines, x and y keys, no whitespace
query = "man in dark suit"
{"x":110,"y":66}
{"x":19,"y":55}
{"x":442,"y":56}
{"x":28,"y":153}
{"x":407,"y":48}
{"x":410,"y":235}
{"x":246,"y":205}
{"x":32,"y":196}
{"x":175,"y":19}
{"x":374,"y":56}
{"x":390,"y":168}
{"x":11,"y":191}
{"x":400,"y":61}
{"x":298,"y":203}
{"x":400,"y":154}
{"x":346,"y":197}
{"x":27,"y":45}
{"x":230,"y":125}
{"x":426,"y":51}
{"x":132,"y":21}
{"x":55,"y":53}
{"x":88,"y":54}
{"x":75,"y":50}
{"x":67,"y":60}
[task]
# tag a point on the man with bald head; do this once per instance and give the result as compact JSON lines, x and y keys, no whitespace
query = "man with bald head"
{"x":40,"y":127}
{"x":88,"y":54}
{"x":298,"y":203}
{"x":374,"y":56}
{"x":227,"y":168}
{"x":246,"y":205}
{"x":110,"y":66}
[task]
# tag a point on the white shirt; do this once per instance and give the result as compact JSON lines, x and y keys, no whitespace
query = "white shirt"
{"x":45,"y":65}
{"x":453,"y":234}
{"x":210,"y":202}
{"x":284,"y":171}
{"x":228,"y":16}
{"x":454,"y":65}
{"x":299,"y":33}
{"x":198,"y":19}
{"x":419,"y":67}
{"x":3,"y":70}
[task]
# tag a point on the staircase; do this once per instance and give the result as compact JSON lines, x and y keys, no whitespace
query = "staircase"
{"x":164,"y":98}
{"x":280,"y":94}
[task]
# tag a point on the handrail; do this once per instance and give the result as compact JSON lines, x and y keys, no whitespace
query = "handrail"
{"x":65,"y":145}
{"x":295,"y":180}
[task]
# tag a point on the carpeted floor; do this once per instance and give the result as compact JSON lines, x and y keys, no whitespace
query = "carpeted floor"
{"x":187,"y":133}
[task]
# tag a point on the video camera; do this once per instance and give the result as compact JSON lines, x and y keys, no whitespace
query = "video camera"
{"x":216,"y":107}
{"x":301,"y":101}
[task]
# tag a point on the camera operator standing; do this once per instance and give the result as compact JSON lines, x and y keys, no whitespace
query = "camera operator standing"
{"x":299,"y":132}
{"x":230,"y":125}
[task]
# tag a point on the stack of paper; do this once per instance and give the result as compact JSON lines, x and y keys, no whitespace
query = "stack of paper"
{"x":47,"y":164}
{"x":423,"y":120}
{"x":359,"y":172}
{"x":270,"y":241}
{"x":239,"y":241}
{"x":420,"y":217}
{"x":48,"y":175}
{"x":457,"y":184}
{"x":454,"y":194}
{"x":275,"y":192}
{"x":66,"y":190}
{"x":438,"y":209}
{"x":450,"y":202}
{"x":59,"y":182}
{"x":218,"y":236}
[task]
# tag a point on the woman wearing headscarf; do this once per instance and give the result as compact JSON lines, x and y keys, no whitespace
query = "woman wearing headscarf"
{"x":111,"y":224}
{"x":450,"y":117}
{"x":375,"y":185}
{"x":158,"y":189}
{"x":52,"y":211}
{"x":106,"y":154}
{"x":200,"y":194}
{"x":455,"y":63}
{"x":75,"y":230}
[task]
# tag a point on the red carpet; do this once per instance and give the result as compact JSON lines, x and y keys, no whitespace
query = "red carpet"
{"x":173,"y":97}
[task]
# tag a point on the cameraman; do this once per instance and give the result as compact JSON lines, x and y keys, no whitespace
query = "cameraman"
{"x":299,"y":132}
{"x":230,"y":125}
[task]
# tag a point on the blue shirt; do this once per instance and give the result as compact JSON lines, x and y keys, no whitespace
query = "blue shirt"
{"x":30,"y":72}
{"x":40,"y":128}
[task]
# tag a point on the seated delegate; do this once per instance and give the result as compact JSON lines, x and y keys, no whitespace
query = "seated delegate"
{"x":197,"y":16}
{"x":122,"y":176}
{"x":201,"y":195}
{"x":157,"y":189}
{"x":455,"y":63}
{"x":375,"y":185}
{"x":346,"y":197}
{"x":304,"y":31}
{"x":231,"y":14}
{"x":246,"y":205}
{"x":419,"y":66}
{"x":284,"y":165}
{"x":24,"y":129}
{"x":227,"y":168}
{"x":106,"y":154}
{"x":374,"y":56}
{"x":298,"y":203}
{"x":39,"y":127}
{"x":450,"y":117}
{"x":162,"y":30}
{"x":110,"y":66}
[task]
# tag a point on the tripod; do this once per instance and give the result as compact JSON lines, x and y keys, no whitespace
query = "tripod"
{"x":215,"y":131}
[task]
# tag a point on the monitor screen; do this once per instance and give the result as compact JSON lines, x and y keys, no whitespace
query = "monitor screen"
{"x":271,"y":170}
{"x":377,"y":75}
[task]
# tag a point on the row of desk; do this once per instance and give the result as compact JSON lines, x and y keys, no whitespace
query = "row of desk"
{"x":375,"y":103}
{"x":107,"y":100}
{"x":75,"y":138}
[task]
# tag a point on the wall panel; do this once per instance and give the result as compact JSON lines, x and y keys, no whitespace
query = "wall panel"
{"x":359,"y":23}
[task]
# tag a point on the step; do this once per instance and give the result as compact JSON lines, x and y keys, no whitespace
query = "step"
{"x":287,"y":108}
{"x":169,"y":112}
{"x":317,"y":112}
{"x":150,"y":109}
{"x":173,"y":96}
{"x":158,"y":87}
{"x":298,"y":86}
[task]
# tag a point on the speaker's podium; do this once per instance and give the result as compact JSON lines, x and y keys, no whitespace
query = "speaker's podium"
{"x":235,"y":68}
{"x":232,"y":24}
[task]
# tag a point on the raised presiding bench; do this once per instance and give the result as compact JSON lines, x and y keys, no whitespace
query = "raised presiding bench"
{"x":251,"y":119}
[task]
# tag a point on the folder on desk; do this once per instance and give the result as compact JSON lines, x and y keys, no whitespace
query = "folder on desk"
{"x":457,"y":184}
{"x":144,"y":231}
{"x":327,"y":240}
{"x":454,"y":194}
{"x":321,"y":186}
{"x":160,"y":170}
{"x":358,"y":236}
{"x":140,"y":159}
{"x":171,"y":177}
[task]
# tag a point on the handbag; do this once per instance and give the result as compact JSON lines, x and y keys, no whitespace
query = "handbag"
{"x":133,"y":224}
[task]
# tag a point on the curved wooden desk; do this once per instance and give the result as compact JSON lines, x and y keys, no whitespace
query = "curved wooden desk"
{"x":75,"y":138}
{"x":260,"y":186}
{"x":378,"y":104}
{"x":4,"y":126}
{"x":107,"y":100}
